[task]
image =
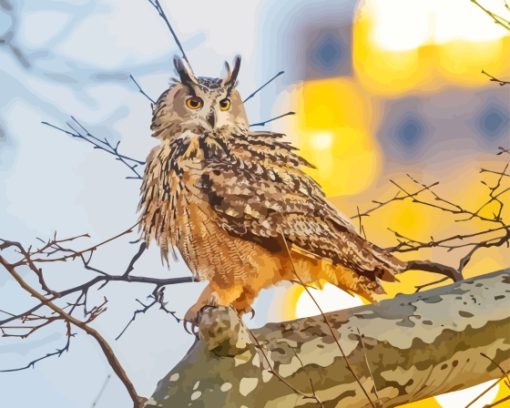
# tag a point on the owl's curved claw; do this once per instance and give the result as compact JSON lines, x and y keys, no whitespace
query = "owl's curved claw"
{"x":251,"y":311}
{"x":188,"y":326}
{"x":192,"y":319}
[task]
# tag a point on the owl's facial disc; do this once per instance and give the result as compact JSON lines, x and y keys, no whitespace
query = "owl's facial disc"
{"x":200,"y":104}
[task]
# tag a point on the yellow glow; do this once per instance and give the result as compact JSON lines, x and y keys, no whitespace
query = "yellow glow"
{"x":463,"y":397}
{"x":334,"y":122}
{"x":322,"y":140}
{"x":330,"y":298}
{"x":399,"y":47}
{"x":400,"y":25}
{"x":436,"y":43}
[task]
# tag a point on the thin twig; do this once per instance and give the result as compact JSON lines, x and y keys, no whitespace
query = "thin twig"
{"x":367,"y":363}
{"x":503,"y":371}
{"x":77,"y":130}
{"x":157,"y":5}
{"x":503,"y":22}
{"x":272,"y":119}
{"x":107,"y":350}
{"x":426,"y":285}
{"x":101,"y":391}
{"x":152,"y":101}
{"x":157,"y":298}
{"x":278,"y":376}
{"x":131,"y":265}
{"x":494,"y":79}
{"x":494,"y":404}
{"x":325,"y":318}
{"x":256,"y":91}
{"x":57,"y":353}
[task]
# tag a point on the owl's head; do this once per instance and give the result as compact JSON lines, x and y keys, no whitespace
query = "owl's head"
{"x":199,"y":104}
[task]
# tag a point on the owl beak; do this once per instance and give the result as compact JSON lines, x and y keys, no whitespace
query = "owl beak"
{"x":211,"y":118}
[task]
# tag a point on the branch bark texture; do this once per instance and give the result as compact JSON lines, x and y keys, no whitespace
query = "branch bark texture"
{"x":402,"y":350}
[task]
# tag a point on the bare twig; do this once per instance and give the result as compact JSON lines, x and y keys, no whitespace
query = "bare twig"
{"x":367,"y":363}
{"x":107,"y":350}
{"x":157,"y":5}
{"x":77,"y":130}
{"x":328,"y":324}
{"x":158,"y":297}
{"x":494,"y":79}
{"x":496,"y":234}
{"x":101,"y":391}
{"x":140,"y":89}
{"x":256,"y":91}
{"x":498,"y":402}
{"x":57,"y":353}
{"x":131,"y":265}
{"x":503,"y":371}
{"x":271,"y":369}
{"x":503,"y":22}
{"x":264,"y":123}
{"x":426,"y":285}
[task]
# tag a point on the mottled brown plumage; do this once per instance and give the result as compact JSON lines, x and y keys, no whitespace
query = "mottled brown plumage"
{"x":231,"y":200}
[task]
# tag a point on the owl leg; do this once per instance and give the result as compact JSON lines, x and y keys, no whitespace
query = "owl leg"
{"x":243,"y":303}
{"x":211,"y":296}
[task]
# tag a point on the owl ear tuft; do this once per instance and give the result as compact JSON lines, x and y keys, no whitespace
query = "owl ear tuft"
{"x":231,"y":77}
{"x":184,"y":70}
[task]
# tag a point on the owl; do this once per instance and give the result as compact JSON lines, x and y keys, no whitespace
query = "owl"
{"x":238,"y":205}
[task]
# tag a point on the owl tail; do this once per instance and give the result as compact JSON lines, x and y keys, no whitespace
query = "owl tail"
{"x":362,"y":268}
{"x":368,"y":266}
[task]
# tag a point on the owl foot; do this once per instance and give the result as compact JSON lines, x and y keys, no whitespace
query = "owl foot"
{"x":192,"y":317}
{"x":247,"y":310}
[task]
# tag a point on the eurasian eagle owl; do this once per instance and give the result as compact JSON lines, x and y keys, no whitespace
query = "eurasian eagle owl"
{"x":238,"y":205}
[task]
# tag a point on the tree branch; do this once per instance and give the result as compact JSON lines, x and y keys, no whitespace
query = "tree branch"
{"x":105,"y":347}
{"x":408,"y":348}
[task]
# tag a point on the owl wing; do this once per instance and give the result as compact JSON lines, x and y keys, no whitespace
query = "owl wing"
{"x":260,"y":192}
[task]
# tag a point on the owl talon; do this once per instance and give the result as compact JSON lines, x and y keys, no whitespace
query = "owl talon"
{"x":192,"y":318}
{"x":251,"y":311}
{"x":189,"y":327}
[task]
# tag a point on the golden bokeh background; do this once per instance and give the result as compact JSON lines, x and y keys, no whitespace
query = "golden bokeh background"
{"x":410,"y":56}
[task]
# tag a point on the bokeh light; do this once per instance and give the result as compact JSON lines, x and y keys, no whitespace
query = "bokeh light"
{"x":415,"y":103}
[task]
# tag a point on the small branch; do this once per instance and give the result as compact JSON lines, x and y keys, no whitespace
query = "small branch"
{"x":80,"y":132}
{"x":157,"y":5}
{"x":280,"y":378}
{"x":328,"y":324}
{"x":152,"y":101}
{"x":58,"y":353}
{"x":503,"y":22}
{"x":494,"y":79}
{"x":256,"y":91}
{"x":101,"y":391}
{"x":272,"y":119}
{"x":429,"y":266}
{"x":157,"y":298}
{"x":368,"y":363}
{"x":426,"y":285}
{"x":131,"y":265}
{"x":75,"y":254}
{"x":503,"y":371}
{"x":107,"y":350}
{"x":495,"y":404}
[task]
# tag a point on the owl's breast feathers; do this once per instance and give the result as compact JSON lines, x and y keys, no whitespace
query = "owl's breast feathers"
{"x":249,"y":187}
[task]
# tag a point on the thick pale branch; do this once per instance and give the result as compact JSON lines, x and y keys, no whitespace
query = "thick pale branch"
{"x":407,"y":348}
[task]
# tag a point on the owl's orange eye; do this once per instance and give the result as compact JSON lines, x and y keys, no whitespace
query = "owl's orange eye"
{"x":225,"y":104}
{"x":194,"y":102}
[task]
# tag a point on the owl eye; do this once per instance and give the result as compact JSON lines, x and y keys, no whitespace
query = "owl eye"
{"x":225,"y":104}
{"x":194,"y":102}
